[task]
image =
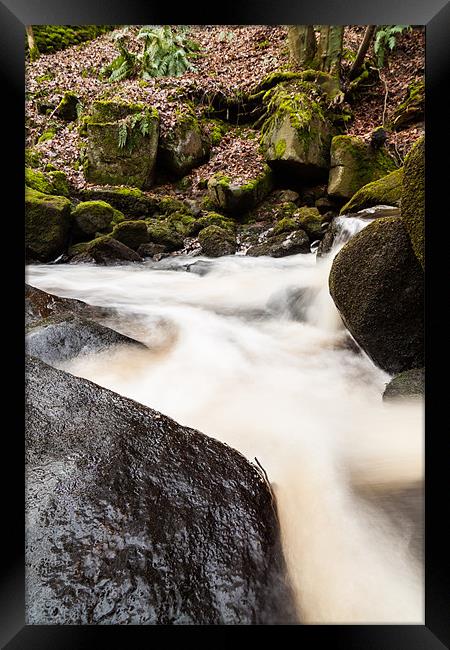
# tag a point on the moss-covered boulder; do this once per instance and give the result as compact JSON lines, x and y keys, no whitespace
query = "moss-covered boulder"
{"x":47,"y":225}
{"x":407,"y":385}
{"x":377,"y":285}
{"x":213,"y":219}
{"x":355,"y":163}
{"x":67,"y":108}
{"x":297,"y":134}
{"x":122,"y":142}
{"x":184,"y":146}
{"x":104,"y":250}
{"x":162,"y":232}
{"x":132,"y":201}
{"x":53,"y":182}
{"x":282,"y":244}
{"x":131,"y":233}
{"x":413,"y":198}
{"x":216,"y":241}
{"x":385,"y":191}
{"x":412,"y":109}
{"x":90,"y":217}
{"x":306,"y":219}
{"x":235,"y":197}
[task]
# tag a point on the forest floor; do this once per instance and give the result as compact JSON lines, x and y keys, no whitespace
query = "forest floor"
{"x":231,"y":59}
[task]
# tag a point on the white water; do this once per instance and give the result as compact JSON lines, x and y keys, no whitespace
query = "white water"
{"x":227,"y":357}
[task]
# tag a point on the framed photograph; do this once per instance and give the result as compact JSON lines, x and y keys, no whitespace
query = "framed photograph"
{"x":226,"y":409}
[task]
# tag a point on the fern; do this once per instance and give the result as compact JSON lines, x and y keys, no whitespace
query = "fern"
{"x":386,"y":39}
{"x":123,"y":135}
{"x":164,"y":53}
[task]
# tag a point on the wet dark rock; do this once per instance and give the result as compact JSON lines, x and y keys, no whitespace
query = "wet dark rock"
{"x":40,"y":304}
{"x":326,"y":243}
{"x":64,"y":337}
{"x":134,"y":519}
{"x":151,"y":249}
{"x":407,"y":385}
{"x":216,"y":241}
{"x":377,"y":285}
{"x":281,"y":245}
{"x":103,"y":250}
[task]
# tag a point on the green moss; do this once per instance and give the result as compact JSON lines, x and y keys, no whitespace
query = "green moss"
{"x":131,"y":233}
{"x":216,"y":241}
{"x":33,"y":158}
{"x":90,"y":217}
{"x":168,"y":204}
{"x":111,"y":110}
{"x":275,"y":78}
{"x":216,"y":130}
{"x":67,"y":108}
{"x":412,"y":109}
{"x":48,"y":134}
{"x":285,"y":225}
{"x":280,"y":148}
{"x":51,"y":38}
{"x":47,"y":223}
{"x":54,"y":182}
{"x":413,"y":198}
{"x":161,"y":232}
{"x":385,"y":191}
{"x":214,"y":219}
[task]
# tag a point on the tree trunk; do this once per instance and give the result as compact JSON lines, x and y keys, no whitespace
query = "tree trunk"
{"x":302,"y":44}
{"x":33,"y":48}
{"x":330,"y":49}
{"x":357,"y":63}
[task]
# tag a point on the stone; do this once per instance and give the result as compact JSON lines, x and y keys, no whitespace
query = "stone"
{"x":217,"y":241}
{"x":131,"y":201}
{"x":103,"y":250}
{"x":236,"y":197}
{"x":377,"y":285}
{"x":297,"y":134}
{"x":135,"y":519}
{"x":407,"y":385}
{"x":385,"y":191}
{"x":413,"y":198}
{"x":122,"y":141}
{"x":282,"y":245}
{"x":67,"y":108}
{"x":47,"y":225}
{"x":355,"y":163}
{"x":90,"y":217}
{"x":66,"y":336}
{"x":131,"y":233}
{"x":184,"y":146}
{"x":52,"y":182}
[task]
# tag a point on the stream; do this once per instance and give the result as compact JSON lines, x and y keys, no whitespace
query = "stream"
{"x":252,"y":351}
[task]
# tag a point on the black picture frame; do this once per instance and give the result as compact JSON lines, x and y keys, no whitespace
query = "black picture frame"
{"x":14,"y":15}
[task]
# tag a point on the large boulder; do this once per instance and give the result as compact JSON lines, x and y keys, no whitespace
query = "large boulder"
{"x":132,"y":201}
{"x":355,"y":163}
{"x":63,"y":337}
{"x":52,"y":182}
{"x":135,"y":519}
{"x":90,"y":217}
{"x":104,"y":250}
{"x":407,"y":385}
{"x":217,"y":241}
{"x":385,"y":191}
{"x":236,"y":197}
{"x":413,"y":198}
{"x":47,"y":225}
{"x":297,"y":134}
{"x":40,"y":304}
{"x":131,"y":233}
{"x":122,"y":142}
{"x":377,"y":285}
{"x":184,"y":146}
{"x":281,"y":245}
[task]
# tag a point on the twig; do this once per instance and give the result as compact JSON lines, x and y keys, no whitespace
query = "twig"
{"x":385,"y":96}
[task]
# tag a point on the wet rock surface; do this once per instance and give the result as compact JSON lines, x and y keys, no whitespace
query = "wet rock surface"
{"x":64,"y":337}
{"x":133,"y":519}
{"x":407,"y":385}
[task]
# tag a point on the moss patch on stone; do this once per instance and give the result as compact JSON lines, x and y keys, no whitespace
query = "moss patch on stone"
{"x":386,"y":191}
{"x":131,"y":233}
{"x":216,"y":241}
{"x":53,"y":182}
{"x":413,"y":198}
{"x":47,"y":224}
{"x":91,"y":217}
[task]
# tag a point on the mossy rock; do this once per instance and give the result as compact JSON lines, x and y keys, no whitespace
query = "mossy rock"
{"x":385,"y":191}
{"x":282,"y":244}
{"x":118,"y":150}
{"x":51,"y":38}
{"x":104,"y":250}
{"x":53,"y":182}
{"x":354,"y":163}
{"x":412,"y":109}
{"x":216,"y":241}
{"x":237,"y":198}
{"x":377,"y":285}
{"x":168,"y":204}
{"x":182,"y":223}
{"x":162,"y":232}
{"x":90,"y":217}
{"x":67,"y":108}
{"x":214,"y":219}
{"x":132,"y":201}
{"x":407,"y":385}
{"x":413,"y":198}
{"x":47,"y":225}
{"x":46,"y":135}
{"x":184,"y":146}
{"x":33,"y":157}
{"x":306,"y":219}
{"x":296,"y":135}
{"x":131,"y":233}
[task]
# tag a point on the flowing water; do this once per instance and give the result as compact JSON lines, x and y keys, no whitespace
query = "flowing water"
{"x":253,"y":352}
